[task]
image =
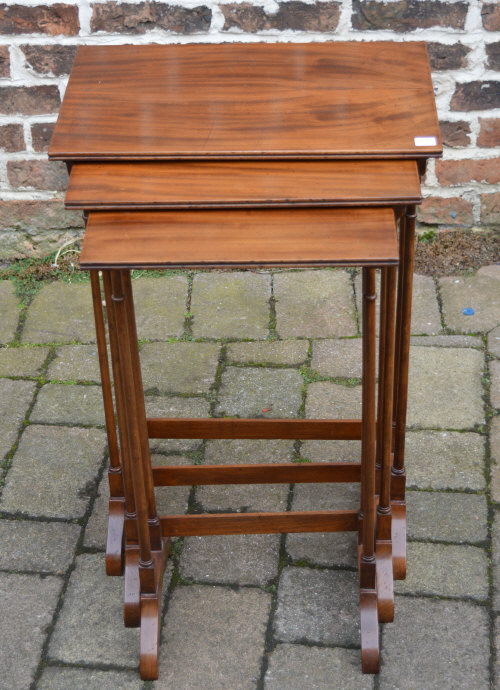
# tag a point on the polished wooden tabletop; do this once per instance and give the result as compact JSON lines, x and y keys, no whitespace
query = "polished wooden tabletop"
{"x":240,"y":238}
{"x":207,"y":184}
{"x":293,"y":100}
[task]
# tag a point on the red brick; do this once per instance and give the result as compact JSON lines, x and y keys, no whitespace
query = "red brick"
{"x":489,"y":134}
{"x":29,"y":100}
{"x":38,"y":216}
{"x":12,"y":138}
{"x":455,"y":133}
{"x":439,"y":211}
{"x":476,"y":95}
{"x":49,"y":175}
{"x":444,"y":57}
{"x":493,"y":53}
{"x":297,"y":16}
{"x":406,"y":15}
{"x":41,"y":19}
{"x":491,"y":16}
{"x":460,"y":172}
{"x":490,"y":208}
{"x":41,"y":134}
{"x":138,"y":18}
{"x":53,"y":59}
{"x":4,"y":61}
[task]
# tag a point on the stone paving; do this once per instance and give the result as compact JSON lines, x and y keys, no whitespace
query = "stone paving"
{"x":264,"y":612}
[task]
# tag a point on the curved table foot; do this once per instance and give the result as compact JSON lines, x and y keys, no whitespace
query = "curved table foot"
{"x":399,"y":539}
{"x":150,"y":636}
{"x":385,"y":582}
{"x":370,"y":648}
{"x":131,"y":597}
{"x":151,"y":618}
{"x":115,"y":540}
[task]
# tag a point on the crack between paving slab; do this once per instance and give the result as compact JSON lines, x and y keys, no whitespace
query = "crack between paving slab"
{"x":79,"y":550}
{"x":6,"y":462}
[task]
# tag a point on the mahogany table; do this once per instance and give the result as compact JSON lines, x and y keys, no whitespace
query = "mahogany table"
{"x":255,"y":126}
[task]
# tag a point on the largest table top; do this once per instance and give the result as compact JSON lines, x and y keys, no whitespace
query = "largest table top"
{"x":294,"y":100}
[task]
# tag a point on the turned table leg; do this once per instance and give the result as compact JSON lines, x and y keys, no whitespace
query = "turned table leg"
{"x":385,"y":587}
{"x":398,"y":481}
{"x":114,"y":544}
{"x":370,"y":652}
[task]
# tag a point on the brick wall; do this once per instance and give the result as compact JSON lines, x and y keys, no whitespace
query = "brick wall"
{"x":38,"y":43}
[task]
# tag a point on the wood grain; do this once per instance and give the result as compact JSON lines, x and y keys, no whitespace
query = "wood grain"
{"x":301,"y":100}
{"x":260,"y":523}
{"x":303,"y":429}
{"x":285,"y":472}
{"x":206,"y":184}
{"x":240,"y":238}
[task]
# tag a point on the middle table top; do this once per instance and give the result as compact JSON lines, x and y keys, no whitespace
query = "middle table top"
{"x":259,"y":100}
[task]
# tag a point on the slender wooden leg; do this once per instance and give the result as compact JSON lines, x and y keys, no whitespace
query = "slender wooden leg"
{"x":114,"y":544}
{"x":151,"y":561}
{"x":385,"y":586}
{"x":370,"y":652}
{"x":398,"y":481}
{"x":153,"y":521}
{"x":131,"y":605}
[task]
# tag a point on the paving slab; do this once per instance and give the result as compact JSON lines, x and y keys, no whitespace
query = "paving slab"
{"x":425,"y":316}
{"x":495,"y":384}
{"x":445,"y":570}
{"x":9,"y":311}
{"x":318,"y":606}
{"x":179,"y":367}
{"x":445,"y":460}
{"x":68,"y":404}
{"x":451,"y":376}
{"x":240,"y":497}
{"x":159,"y":406}
{"x":451,"y":517}
{"x":53,"y":471}
{"x":275,"y":352}
{"x":480,"y":292}
{"x":45,"y":547}
{"x":160,"y":306}
{"x":22,"y":361}
{"x":338,"y":358}
{"x":231,"y":304}
{"x":435,"y":644}
{"x":15,"y":399}
{"x":90,"y":627}
{"x":75,"y":363}
{"x":329,"y":400}
{"x":494,"y":342}
{"x":296,"y":667}
{"x":60,"y":313}
{"x":240,"y":559}
{"x":259,"y":392}
{"x":213,"y":638}
{"x":331,"y":451}
{"x":495,"y":458}
{"x":28,"y":603}
{"x":314,"y":304}
{"x":337,"y":549}
{"x":61,"y":678}
{"x":495,"y":559}
{"x":447,"y":341}
{"x":327,"y":496}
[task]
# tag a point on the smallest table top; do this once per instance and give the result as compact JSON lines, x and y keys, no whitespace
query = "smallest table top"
{"x":217,"y":184}
{"x":240,"y":238}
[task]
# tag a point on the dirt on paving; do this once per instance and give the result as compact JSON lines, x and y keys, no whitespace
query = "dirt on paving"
{"x":451,"y":252}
